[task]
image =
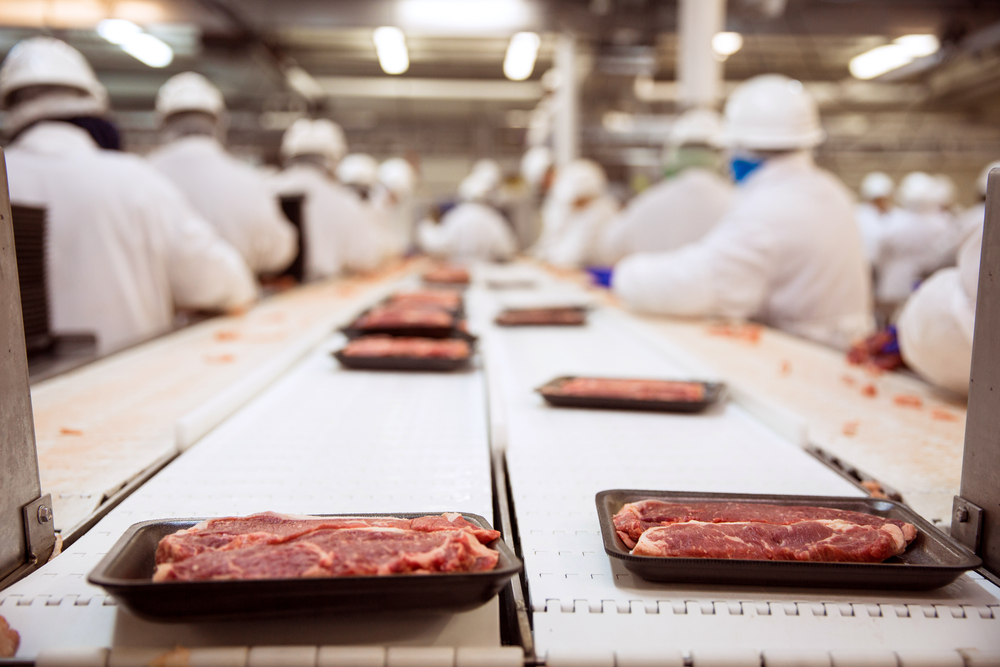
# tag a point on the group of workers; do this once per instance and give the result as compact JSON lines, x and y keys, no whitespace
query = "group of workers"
{"x":743,"y":225}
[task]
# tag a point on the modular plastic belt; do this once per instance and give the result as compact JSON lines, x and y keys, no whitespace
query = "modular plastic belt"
{"x":589,"y":610}
{"x":320,"y":440}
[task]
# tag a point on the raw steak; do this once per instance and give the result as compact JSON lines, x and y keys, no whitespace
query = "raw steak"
{"x":340,"y":552}
{"x":818,"y":540}
{"x":447,"y":275}
{"x":386,"y":317}
{"x":634,"y":518}
{"x":642,"y":390}
{"x":541,"y":316}
{"x":441,"y":298}
{"x":418,"y":348}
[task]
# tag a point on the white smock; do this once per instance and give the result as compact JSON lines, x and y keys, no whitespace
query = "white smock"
{"x":911,"y":245}
{"x":233,"y":197}
{"x":124,"y":246}
{"x":670,"y":214}
{"x":339,"y":234}
{"x":937,"y":323}
{"x":576,"y":241}
{"x":469,"y":231}
{"x":788,"y":253}
{"x":968,"y":222}
{"x":871,"y":223}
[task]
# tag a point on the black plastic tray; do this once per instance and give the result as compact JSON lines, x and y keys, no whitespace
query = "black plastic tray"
{"x":932,"y":560}
{"x":713,"y":392}
{"x":126,"y":573}
{"x":581,"y":311}
{"x":400,"y":363}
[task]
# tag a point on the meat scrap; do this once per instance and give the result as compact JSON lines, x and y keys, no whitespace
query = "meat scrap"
{"x":270,"y":546}
{"x":850,"y":429}
{"x":641,"y":390}
{"x":908,"y":401}
{"x":9,"y":639}
{"x":943,"y":415}
{"x":416,"y":348}
{"x":635,"y":519}
{"x":389,"y":317}
{"x":541,"y":316}
{"x":749,"y":333}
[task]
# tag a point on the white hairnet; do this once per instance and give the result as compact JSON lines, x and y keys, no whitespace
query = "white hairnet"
{"x":358,"y":169}
{"x":918,"y":191}
{"x":875,"y":185}
{"x":579,"y":179}
{"x":398,"y":176}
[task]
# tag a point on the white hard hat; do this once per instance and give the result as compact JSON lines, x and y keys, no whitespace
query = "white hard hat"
{"x":358,"y":169}
{"x":876,"y":185}
{"x":477,"y":186}
{"x":984,"y":175}
{"x":771,"y":112}
{"x":314,"y":137}
{"x":695,"y":126}
{"x":489,"y":168}
{"x":397,"y":175}
{"x":44,"y":61}
{"x":918,"y":191}
{"x":945,"y":190}
{"x":189,"y":91}
{"x":580,"y":178}
{"x":535,"y":163}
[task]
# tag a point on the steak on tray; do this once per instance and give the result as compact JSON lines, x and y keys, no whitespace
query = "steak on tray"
{"x":383,"y":317}
{"x":269,"y":546}
{"x":541,"y":316}
{"x":416,"y":348}
{"x":440,"y":298}
{"x":642,"y":390}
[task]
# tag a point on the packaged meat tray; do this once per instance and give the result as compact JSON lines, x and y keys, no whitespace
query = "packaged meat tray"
{"x":395,"y":353}
{"x":447,"y":275}
{"x":410,"y":322}
{"x":626,"y":394}
{"x":445,"y":299}
{"x":520,"y":317}
{"x":925,"y":557}
{"x":127,"y":573}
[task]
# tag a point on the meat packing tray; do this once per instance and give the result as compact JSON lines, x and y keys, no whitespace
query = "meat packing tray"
{"x":577,"y":317}
{"x":401,"y":363}
{"x":126,"y":574}
{"x":931,"y":561}
{"x":409,"y":331}
{"x":550,"y":392}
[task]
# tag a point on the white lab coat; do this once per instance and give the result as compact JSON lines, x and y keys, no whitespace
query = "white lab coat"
{"x":788,"y":253}
{"x":124,"y":247}
{"x":910,"y":246}
{"x":670,"y":214}
{"x":937,"y":323}
{"x":340,"y":235}
{"x":871,"y":222}
{"x":968,"y":222}
{"x":576,"y":241}
{"x":233,"y":197}
{"x":471,"y":230}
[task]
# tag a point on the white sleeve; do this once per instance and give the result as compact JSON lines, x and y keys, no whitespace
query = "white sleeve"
{"x":204,"y":271}
{"x":434,"y":239}
{"x":725,"y":274}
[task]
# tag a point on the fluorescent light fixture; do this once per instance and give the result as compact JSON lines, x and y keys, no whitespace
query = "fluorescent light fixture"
{"x":390,"y":45}
{"x":726,"y":44}
{"x":140,"y":45}
{"x":464,"y":16}
{"x":118,"y":31}
{"x":521,"y":55}
{"x":888,"y":57}
{"x":303,"y":83}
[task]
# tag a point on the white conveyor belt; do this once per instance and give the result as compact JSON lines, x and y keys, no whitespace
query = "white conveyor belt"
{"x":590,"y":610}
{"x":320,"y":440}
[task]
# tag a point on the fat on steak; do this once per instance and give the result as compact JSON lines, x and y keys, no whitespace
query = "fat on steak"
{"x":816,"y":540}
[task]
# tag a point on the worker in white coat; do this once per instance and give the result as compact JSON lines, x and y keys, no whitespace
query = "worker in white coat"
{"x":936,"y":325}
{"x":124,"y":247}
{"x":231,"y":195}
{"x":876,"y":204}
{"x":359,"y":172}
{"x":576,"y":216}
{"x":474,"y":229}
{"x":397,"y":179}
{"x":916,"y":238}
{"x":788,"y":252}
{"x":338,"y":235}
{"x":685,"y":205}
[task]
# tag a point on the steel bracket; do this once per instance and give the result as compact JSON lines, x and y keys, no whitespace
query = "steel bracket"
{"x":39,"y":529}
{"x":966,"y":523}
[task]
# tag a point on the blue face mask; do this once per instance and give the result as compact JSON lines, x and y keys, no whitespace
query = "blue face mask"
{"x":741,"y":167}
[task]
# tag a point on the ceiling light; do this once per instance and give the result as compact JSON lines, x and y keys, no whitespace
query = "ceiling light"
{"x":465,"y":16}
{"x":149,"y":50}
{"x":118,"y":31}
{"x":726,"y":44}
{"x":390,"y":45}
{"x":888,"y":57}
{"x":521,"y":55}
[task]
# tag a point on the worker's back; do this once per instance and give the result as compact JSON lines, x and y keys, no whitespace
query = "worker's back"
{"x":471,"y":230}
{"x":231,"y":196}
{"x":124,"y":245}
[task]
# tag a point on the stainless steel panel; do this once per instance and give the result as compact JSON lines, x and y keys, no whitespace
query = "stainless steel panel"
{"x":981,"y":462}
{"x":19,"y":483}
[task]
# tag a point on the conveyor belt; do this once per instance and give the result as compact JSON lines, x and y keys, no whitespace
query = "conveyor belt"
{"x":586,"y":607}
{"x":320,"y":440}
